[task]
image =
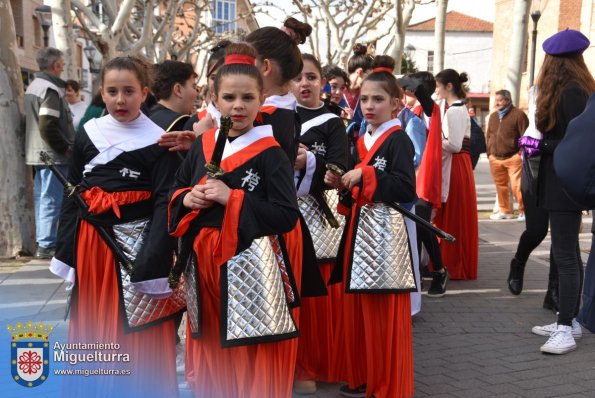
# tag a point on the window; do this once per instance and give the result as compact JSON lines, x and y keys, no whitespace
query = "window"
{"x":224,"y":15}
{"x":37,"y":35}
{"x":430,"y":61}
{"x":17,"y":14}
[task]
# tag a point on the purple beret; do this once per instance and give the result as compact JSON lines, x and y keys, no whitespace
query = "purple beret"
{"x":566,"y":42}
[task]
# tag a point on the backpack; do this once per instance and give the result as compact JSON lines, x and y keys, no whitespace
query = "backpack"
{"x":477,"y":144}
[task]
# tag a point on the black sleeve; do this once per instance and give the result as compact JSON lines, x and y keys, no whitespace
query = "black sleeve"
{"x":190,"y":122}
{"x":397,"y":184}
{"x":279,"y":212}
{"x":49,"y":125}
{"x":155,"y":258}
{"x":183,"y":179}
{"x":337,"y":153}
{"x":69,"y":213}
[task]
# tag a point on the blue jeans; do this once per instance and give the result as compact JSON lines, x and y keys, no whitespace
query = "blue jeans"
{"x":47,"y":195}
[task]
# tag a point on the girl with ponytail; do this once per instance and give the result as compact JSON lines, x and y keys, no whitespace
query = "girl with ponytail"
{"x":377,"y":309}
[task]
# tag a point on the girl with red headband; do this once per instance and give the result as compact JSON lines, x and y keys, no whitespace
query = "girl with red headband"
{"x":240,"y":286}
{"x":323,"y":141}
{"x":376,"y":270}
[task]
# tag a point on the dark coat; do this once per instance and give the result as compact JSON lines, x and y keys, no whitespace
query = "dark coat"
{"x":573,"y":159}
{"x":550,"y":194}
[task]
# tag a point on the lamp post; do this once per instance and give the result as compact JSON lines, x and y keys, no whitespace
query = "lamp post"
{"x":535,"y":15}
{"x":90,"y":52}
{"x":44,"y":14}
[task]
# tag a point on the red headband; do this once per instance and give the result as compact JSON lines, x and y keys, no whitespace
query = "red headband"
{"x":239,"y":59}
{"x":383,"y":69}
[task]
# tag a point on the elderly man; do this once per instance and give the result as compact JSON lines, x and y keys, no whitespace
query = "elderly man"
{"x":505,"y":127}
{"x":48,"y":128}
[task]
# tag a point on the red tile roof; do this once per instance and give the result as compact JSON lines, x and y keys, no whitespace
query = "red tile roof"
{"x":455,"y":22}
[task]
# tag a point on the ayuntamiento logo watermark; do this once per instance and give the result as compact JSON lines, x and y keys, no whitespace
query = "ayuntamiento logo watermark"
{"x":30,"y":353}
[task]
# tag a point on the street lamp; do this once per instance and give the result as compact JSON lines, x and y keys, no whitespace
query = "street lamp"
{"x":90,"y":51}
{"x":535,"y":15}
{"x":44,"y":14}
{"x":409,"y":50}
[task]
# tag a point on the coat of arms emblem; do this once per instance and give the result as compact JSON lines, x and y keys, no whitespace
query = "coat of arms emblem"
{"x":29,"y":353}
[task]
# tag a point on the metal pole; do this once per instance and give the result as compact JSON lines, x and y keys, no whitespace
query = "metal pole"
{"x":46,"y":38}
{"x":535,"y":15}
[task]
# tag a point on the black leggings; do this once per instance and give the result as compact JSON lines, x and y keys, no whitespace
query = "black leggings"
{"x":536,"y":225}
{"x":429,"y":239}
{"x":565,"y":229}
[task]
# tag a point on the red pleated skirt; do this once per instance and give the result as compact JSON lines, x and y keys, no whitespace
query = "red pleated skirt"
{"x":96,"y":317}
{"x":251,"y":371}
{"x":318,"y":317}
{"x":458,"y":217}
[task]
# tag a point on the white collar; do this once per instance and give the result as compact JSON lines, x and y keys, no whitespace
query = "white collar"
{"x":112,"y":138}
{"x":370,"y":139}
{"x":245,"y":139}
{"x":287,"y":101}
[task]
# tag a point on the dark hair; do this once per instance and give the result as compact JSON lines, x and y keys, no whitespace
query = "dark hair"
{"x":385,"y":78}
{"x":74,"y":85}
{"x":555,"y":75}
{"x":276,"y":45}
{"x":360,"y":59}
{"x":97,"y":100}
{"x":316,"y":62}
{"x":167,"y":74}
{"x":216,"y":57}
{"x":330,"y":72}
{"x":239,"y":69}
{"x":134,"y":64}
{"x":453,"y":77}
{"x":427,"y":79}
{"x":298,"y":30}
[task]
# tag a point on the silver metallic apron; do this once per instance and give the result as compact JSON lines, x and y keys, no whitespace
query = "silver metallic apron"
{"x":253,"y":298}
{"x":381,"y":253}
{"x":142,"y":309}
{"x":326,"y":238}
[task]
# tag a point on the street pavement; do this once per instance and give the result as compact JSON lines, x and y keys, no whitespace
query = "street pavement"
{"x":476,"y":341}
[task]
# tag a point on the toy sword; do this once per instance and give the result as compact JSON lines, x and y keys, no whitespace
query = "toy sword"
{"x":72,"y":192}
{"x":418,"y":220}
{"x":214,"y":170}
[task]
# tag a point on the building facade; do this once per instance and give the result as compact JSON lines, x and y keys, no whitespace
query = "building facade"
{"x":468,"y":45}
{"x":556,"y":15}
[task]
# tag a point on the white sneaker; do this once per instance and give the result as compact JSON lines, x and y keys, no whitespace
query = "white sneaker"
{"x":521,"y":217}
{"x":501,"y":216}
{"x":548,"y":330}
{"x":560,"y":342}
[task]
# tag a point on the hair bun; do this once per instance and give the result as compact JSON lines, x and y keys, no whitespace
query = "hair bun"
{"x":297,"y":30}
{"x":384,"y":61}
{"x":464,"y":78}
{"x":240,"y":49}
{"x":219,"y":46}
{"x":360,"y":49}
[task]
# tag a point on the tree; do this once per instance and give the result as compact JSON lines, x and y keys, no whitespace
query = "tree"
{"x":517,"y":48}
{"x":439,"y":31}
{"x":337,"y":25}
{"x":16,"y":210}
{"x":181,"y":30}
{"x":62,"y":28}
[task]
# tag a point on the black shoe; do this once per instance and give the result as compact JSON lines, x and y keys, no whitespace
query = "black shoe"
{"x":426,"y":273}
{"x":515,"y":276}
{"x":438,"y":286}
{"x":358,"y":392}
{"x":44,"y":253}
